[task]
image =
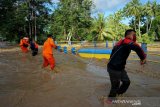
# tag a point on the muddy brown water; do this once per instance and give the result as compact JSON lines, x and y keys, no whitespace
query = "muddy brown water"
{"x":79,"y":83}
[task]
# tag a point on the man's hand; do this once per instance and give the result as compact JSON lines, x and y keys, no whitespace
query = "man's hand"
{"x":56,"y":47}
{"x":143,"y":62}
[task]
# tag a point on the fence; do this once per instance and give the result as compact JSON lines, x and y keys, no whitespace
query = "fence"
{"x":102,"y":44}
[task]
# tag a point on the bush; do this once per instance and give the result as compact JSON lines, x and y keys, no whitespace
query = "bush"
{"x":145,"y":38}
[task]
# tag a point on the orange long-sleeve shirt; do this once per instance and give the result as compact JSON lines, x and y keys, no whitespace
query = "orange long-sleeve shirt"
{"x":23,"y":41}
{"x":48,"y":45}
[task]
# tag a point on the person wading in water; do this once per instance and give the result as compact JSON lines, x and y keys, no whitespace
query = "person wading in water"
{"x":117,"y":62}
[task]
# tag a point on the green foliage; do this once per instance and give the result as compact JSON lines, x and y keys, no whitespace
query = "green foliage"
{"x":90,"y":37}
{"x":115,"y":27}
{"x":99,"y":27}
{"x":144,"y":18}
{"x":16,"y":16}
{"x":156,"y":24}
{"x":145,"y":38}
{"x":72,"y":19}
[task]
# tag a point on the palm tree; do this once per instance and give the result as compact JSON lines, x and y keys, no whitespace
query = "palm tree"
{"x":149,"y":14}
{"x":133,"y":9}
{"x":117,"y":17}
{"x":114,"y":26}
{"x":99,"y":27}
{"x":153,"y":11}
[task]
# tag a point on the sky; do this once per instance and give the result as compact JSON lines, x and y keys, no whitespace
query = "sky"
{"x":110,"y":6}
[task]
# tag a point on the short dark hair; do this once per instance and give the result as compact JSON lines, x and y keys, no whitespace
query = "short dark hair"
{"x":129,"y":31}
{"x":49,"y":35}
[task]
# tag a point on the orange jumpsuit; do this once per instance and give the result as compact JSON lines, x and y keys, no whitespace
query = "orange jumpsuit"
{"x":48,"y":53}
{"x":23,"y":48}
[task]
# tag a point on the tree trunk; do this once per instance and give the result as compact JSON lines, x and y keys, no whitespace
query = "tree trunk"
{"x":150,"y":25}
{"x":24,"y":29}
{"x":29,"y":29}
{"x":29,"y":21}
{"x":135,"y":24}
{"x":35,"y":28}
{"x":139,"y":27}
{"x":147,"y":26}
{"x":32,"y":23}
{"x":64,"y":32}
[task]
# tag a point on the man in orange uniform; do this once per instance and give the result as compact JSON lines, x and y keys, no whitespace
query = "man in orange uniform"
{"x":48,"y":53}
{"x":24,"y":44}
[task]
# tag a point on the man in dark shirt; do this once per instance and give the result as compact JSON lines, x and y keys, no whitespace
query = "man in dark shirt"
{"x":117,"y":62}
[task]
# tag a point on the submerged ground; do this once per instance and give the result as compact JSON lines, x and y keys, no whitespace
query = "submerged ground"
{"x":79,"y":83}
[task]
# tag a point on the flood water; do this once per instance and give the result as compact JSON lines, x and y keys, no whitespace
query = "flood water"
{"x":79,"y":82}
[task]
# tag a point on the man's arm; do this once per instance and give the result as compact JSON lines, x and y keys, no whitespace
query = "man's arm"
{"x":21,"y":43}
{"x":52,"y":43}
{"x":135,"y":47}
